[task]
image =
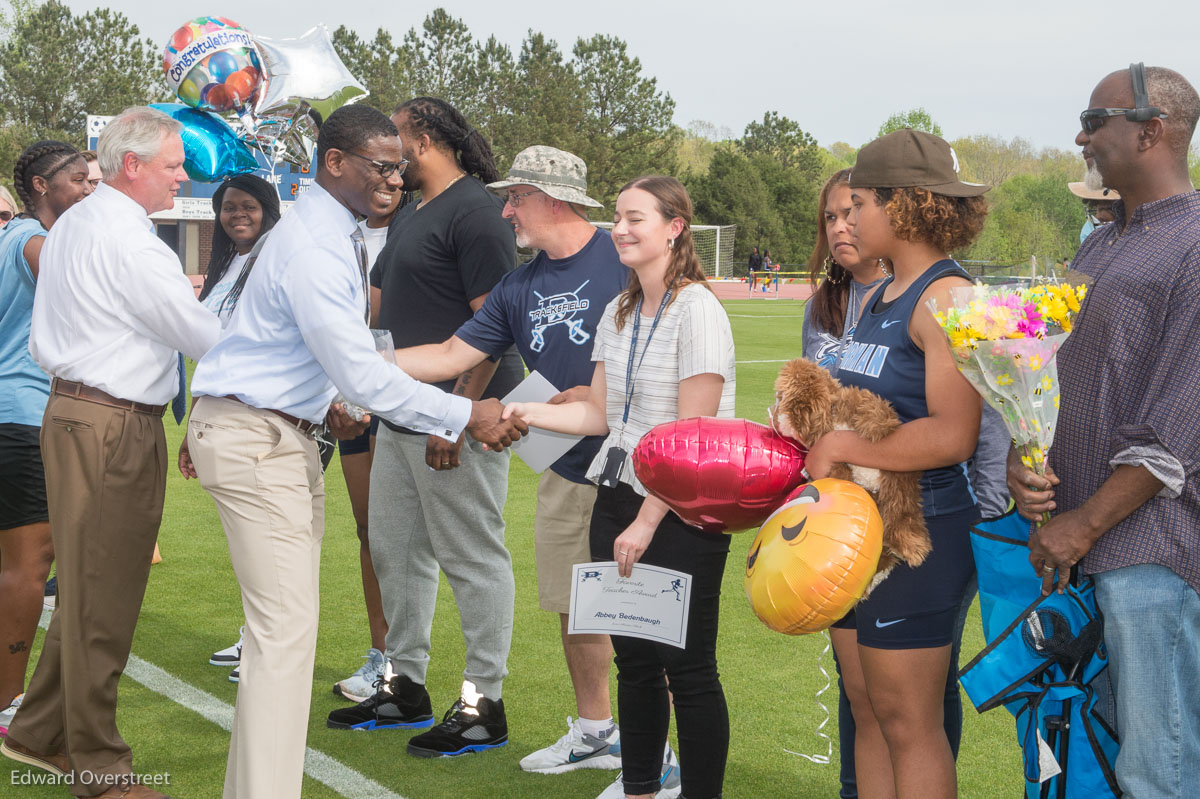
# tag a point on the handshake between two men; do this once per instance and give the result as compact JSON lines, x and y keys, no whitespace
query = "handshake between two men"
{"x":487,"y":425}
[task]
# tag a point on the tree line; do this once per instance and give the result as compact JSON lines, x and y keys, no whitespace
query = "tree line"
{"x":593,"y":99}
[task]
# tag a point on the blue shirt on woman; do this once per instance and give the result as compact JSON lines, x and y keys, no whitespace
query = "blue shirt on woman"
{"x":882,"y":357}
{"x":24,"y":387}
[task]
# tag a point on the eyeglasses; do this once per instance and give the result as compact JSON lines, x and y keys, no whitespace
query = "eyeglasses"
{"x":1093,"y":119}
{"x":95,"y":183}
{"x":6,"y":216}
{"x":385,"y":168}
{"x":515,"y":199}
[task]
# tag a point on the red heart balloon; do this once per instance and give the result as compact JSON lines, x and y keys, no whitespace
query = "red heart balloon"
{"x":721,"y":475}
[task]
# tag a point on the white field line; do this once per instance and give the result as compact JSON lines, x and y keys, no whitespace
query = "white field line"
{"x":321,"y":767}
{"x":775,"y":360}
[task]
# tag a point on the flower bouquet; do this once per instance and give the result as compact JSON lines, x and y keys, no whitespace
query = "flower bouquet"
{"x":1004,"y":340}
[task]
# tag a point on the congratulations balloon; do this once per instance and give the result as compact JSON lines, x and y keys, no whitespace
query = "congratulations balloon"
{"x":721,"y":475}
{"x":814,"y":557}
{"x":210,"y":64}
{"x":211,"y":150}
{"x":305,"y":72}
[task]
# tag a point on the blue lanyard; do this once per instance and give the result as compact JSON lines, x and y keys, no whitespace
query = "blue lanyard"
{"x":629,"y":370}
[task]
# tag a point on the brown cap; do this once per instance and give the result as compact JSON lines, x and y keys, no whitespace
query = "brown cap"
{"x":907,"y":159}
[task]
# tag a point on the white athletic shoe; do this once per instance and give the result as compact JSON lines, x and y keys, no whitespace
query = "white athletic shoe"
{"x":669,"y":782}
{"x":575,"y":750}
{"x":6,"y":715}
{"x":230,"y":655}
{"x":362,"y":684}
{"x":236,"y":674}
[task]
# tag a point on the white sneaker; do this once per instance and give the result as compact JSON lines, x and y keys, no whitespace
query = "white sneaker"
{"x":575,"y":750}
{"x":230,"y":655}
{"x":362,"y":684}
{"x":669,"y":782}
{"x":6,"y":715}
{"x":236,"y":674}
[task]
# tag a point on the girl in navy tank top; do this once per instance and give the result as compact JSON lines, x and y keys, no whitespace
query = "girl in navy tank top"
{"x":910,"y":209}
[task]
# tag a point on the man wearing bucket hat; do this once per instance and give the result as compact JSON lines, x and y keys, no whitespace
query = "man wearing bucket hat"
{"x":549,"y":309}
{"x":1096,"y":199}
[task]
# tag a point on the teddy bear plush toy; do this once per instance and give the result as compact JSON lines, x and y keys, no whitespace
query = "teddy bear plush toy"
{"x":811,"y":403}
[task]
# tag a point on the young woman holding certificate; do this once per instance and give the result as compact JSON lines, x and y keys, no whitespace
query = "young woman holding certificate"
{"x":663,"y":351}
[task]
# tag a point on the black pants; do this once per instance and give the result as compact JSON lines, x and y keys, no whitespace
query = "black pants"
{"x":645,"y":667}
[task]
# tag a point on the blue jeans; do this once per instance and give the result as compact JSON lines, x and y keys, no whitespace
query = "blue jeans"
{"x":1152,"y":631}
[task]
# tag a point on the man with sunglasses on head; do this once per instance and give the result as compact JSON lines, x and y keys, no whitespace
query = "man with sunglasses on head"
{"x":435,"y":502}
{"x":1124,"y":472}
{"x":298,"y":336}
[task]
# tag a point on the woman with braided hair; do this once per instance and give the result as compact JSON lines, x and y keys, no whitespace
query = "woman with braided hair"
{"x":50,"y":177}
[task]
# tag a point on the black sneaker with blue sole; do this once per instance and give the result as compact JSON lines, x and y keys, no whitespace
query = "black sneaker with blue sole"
{"x":464,"y":730}
{"x":401,"y":704}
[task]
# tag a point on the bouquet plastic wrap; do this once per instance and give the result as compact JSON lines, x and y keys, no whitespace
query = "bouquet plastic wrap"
{"x":1004,"y":340}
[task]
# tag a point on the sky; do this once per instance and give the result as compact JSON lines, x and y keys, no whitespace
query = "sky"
{"x":1018,"y":68}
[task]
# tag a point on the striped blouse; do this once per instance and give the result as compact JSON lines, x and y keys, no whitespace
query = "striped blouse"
{"x":693,"y":337}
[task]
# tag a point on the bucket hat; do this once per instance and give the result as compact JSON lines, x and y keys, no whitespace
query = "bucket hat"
{"x":556,"y":172}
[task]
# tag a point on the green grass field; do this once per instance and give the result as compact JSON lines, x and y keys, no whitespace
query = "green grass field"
{"x":192,"y":608}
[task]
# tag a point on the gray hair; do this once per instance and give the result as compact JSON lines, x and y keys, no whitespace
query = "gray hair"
{"x":1171,"y":92}
{"x":138,"y":130}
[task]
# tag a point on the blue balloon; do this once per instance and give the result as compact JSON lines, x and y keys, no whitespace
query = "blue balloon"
{"x":211,"y":150}
{"x":221,"y":65}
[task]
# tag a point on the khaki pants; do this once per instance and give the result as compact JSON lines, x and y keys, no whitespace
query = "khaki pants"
{"x":106,"y":472}
{"x":265,"y":477}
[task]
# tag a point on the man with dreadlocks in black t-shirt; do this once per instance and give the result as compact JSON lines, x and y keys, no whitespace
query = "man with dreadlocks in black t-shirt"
{"x":435,"y":504}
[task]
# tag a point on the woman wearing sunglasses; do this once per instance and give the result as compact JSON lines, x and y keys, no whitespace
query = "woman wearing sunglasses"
{"x":50,"y":177}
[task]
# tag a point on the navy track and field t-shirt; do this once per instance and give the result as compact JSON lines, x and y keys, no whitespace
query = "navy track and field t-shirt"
{"x":881,"y":357}
{"x":550,"y":309}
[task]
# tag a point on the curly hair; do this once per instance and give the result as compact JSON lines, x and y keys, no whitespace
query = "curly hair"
{"x":920,"y":216}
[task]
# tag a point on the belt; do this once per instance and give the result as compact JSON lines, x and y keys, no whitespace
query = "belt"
{"x":67,"y":388}
{"x":303,"y":425}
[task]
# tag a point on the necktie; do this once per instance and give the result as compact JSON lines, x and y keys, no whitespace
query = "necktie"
{"x":360,"y":251}
{"x":179,"y":403}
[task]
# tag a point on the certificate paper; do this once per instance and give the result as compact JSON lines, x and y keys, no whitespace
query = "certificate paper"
{"x":539,"y":448}
{"x":651,"y":603}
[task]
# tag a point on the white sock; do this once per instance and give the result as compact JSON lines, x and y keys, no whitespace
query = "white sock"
{"x":596,"y":729}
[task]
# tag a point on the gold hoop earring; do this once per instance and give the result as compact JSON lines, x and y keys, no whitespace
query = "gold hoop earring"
{"x":830,"y":276}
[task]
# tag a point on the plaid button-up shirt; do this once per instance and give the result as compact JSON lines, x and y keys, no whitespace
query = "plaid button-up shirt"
{"x":1130,"y":379}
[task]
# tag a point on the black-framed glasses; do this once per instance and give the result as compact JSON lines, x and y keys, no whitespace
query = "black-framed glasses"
{"x":1093,"y":119}
{"x":515,"y":199}
{"x":6,"y":216}
{"x":385,"y":168}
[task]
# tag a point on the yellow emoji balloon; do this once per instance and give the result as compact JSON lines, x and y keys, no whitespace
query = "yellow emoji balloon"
{"x":814,"y":556}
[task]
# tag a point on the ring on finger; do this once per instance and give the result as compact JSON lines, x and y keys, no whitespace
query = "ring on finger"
{"x":1047,"y":568}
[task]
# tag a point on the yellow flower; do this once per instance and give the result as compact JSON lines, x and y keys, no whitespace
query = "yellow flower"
{"x":1035,"y":362}
{"x":1004,"y":379}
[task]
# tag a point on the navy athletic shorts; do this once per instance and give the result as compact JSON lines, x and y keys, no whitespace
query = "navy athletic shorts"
{"x":22,"y":478}
{"x":918,"y":608}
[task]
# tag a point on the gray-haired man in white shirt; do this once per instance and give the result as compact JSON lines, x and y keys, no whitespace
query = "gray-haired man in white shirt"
{"x":113,"y":309}
{"x":297,"y":337}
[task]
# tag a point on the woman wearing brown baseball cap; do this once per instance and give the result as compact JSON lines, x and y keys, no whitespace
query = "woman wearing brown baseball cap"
{"x":910,"y":208}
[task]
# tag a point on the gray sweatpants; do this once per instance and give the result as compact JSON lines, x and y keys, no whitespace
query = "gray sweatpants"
{"x":421,"y":519}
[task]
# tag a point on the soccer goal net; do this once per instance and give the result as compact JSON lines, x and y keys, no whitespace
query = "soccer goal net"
{"x":714,"y":247}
